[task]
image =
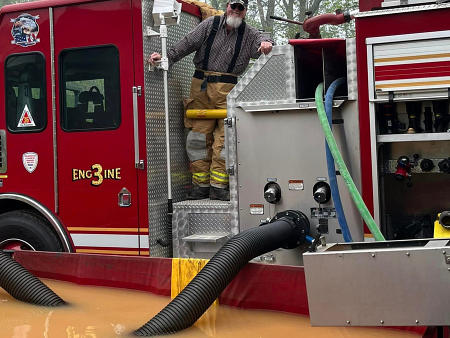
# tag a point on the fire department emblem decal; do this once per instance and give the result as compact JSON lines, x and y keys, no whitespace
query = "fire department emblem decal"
{"x":30,"y":161}
{"x":26,"y":119}
{"x":25,"y":30}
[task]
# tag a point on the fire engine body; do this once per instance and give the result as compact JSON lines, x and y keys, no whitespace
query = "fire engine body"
{"x":82,"y":175}
{"x":91,"y":161}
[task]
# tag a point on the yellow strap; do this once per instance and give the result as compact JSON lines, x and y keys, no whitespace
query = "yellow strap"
{"x":206,"y":113}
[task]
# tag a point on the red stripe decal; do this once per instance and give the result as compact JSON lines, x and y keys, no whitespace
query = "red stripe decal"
{"x":411,"y":75}
{"x":412,"y":70}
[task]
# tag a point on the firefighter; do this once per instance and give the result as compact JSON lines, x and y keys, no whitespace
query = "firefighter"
{"x":223,"y":45}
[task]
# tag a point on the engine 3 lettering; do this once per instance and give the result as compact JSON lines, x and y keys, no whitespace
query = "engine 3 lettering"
{"x":96,"y":174}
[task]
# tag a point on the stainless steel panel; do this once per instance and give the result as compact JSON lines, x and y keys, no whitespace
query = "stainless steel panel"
{"x":179,"y":86}
{"x":370,"y":285}
{"x":268,"y":143}
{"x":282,"y":54}
{"x":290,"y":145}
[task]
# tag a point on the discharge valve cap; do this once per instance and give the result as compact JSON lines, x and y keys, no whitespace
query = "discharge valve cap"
{"x":321,"y":192}
{"x":272,"y":192}
{"x":444,"y":165}
{"x":444,"y":219}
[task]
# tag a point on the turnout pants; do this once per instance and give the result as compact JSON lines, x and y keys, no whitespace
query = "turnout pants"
{"x":205,"y":138}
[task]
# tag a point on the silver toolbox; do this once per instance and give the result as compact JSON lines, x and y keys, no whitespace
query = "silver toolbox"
{"x":392,"y":283}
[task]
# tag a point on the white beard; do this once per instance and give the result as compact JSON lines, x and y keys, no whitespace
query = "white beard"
{"x":234,"y":21}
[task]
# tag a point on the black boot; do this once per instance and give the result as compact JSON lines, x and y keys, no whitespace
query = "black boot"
{"x":222,"y":194}
{"x":198,"y":193}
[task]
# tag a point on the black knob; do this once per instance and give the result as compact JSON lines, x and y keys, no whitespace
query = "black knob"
{"x":426,"y":164}
{"x":272,"y":192}
{"x":444,"y":165}
{"x":444,"y":219}
{"x":321,"y":192}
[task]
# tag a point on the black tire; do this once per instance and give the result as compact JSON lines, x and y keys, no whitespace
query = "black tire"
{"x":29,"y":227}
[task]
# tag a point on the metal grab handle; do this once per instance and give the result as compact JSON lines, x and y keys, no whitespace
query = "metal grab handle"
{"x":138,"y":163}
{"x":229,"y":123}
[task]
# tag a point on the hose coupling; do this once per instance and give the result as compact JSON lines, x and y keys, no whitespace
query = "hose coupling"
{"x":300,"y":224}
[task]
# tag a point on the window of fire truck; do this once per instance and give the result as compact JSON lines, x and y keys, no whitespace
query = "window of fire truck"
{"x":90,"y":88}
{"x":25,"y":98}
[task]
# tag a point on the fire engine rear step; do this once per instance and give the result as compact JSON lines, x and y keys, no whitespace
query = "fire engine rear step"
{"x":209,"y":238}
{"x":200,"y":227}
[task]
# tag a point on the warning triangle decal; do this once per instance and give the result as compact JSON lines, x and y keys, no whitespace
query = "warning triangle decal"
{"x":26,"y":120}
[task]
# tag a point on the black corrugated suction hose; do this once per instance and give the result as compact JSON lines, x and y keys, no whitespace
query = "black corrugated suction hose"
{"x":287,"y":230}
{"x":22,"y":285}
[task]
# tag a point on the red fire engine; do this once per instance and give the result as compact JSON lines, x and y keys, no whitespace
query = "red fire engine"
{"x":68,"y":178}
{"x":83,"y":162}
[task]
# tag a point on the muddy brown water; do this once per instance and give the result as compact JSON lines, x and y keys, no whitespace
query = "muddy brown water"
{"x":99,"y":312}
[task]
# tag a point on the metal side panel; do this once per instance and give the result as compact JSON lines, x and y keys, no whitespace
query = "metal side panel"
{"x":179,"y":85}
{"x":278,"y":70}
{"x":393,"y":283}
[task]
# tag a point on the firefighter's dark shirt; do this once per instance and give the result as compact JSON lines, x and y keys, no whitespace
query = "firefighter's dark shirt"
{"x":222,"y":49}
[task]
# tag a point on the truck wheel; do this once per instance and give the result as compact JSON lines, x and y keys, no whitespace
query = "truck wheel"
{"x":25,"y":230}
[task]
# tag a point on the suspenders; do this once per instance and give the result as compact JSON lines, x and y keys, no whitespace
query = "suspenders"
{"x":237,"y":47}
{"x":212,"y":36}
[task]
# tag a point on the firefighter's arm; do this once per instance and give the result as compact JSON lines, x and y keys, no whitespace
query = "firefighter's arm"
{"x":260,"y":43}
{"x":265,"y":47}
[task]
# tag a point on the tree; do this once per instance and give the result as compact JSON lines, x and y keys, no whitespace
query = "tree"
{"x":289,"y":9}
{"x":259,"y":12}
{"x":8,"y":2}
{"x":346,"y":30}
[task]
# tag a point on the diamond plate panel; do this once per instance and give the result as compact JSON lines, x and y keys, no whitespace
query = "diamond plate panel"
{"x":179,"y":85}
{"x":276,"y":71}
{"x":205,"y":204}
{"x":208,"y":223}
{"x":199,"y":217}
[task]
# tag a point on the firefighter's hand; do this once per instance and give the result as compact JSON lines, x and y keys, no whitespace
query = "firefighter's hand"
{"x":154,"y":58}
{"x":265,"y":48}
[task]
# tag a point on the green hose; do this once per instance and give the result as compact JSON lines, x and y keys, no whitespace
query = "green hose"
{"x":343,"y":168}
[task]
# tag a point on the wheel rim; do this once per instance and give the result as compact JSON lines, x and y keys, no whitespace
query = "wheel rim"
{"x":16,"y":244}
